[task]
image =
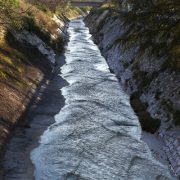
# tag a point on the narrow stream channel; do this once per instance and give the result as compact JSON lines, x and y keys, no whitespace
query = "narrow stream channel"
{"x":96,"y":135}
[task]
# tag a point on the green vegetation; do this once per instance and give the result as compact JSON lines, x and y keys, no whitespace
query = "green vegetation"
{"x":153,"y":24}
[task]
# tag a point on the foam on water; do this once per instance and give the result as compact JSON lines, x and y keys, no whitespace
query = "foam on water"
{"x":96,"y":135}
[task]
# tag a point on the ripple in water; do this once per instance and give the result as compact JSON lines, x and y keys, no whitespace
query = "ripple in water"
{"x":96,"y":135}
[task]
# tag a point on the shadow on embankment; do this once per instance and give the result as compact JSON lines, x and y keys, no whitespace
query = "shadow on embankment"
{"x":16,"y":163}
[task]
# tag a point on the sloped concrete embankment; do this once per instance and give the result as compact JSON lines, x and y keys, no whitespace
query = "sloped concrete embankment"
{"x":152,"y":84}
{"x":16,"y":162}
{"x":35,"y":61}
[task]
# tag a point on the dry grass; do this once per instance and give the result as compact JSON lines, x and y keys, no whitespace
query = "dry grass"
{"x":17,"y":77}
{"x":18,"y":74}
{"x":42,"y":19}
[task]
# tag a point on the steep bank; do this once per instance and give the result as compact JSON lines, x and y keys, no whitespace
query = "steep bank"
{"x":147,"y":74}
{"x":31,"y":58}
{"x":16,"y":162}
{"x":96,"y":135}
{"x":27,"y":61}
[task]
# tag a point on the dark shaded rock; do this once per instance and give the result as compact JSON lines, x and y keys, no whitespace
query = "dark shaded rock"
{"x":147,"y":122}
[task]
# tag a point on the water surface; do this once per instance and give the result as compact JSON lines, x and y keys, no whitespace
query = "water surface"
{"x":97,"y":134}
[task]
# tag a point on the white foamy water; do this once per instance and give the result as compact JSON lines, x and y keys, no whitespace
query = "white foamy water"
{"x":96,"y":135}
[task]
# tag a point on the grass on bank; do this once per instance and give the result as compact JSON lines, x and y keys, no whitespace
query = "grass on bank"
{"x":18,"y":74}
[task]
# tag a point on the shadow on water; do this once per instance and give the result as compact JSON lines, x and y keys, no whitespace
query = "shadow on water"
{"x":16,"y":163}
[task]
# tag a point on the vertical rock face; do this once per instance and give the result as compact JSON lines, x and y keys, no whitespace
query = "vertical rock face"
{"x":142,"y":73}
{"x":32,"y":40}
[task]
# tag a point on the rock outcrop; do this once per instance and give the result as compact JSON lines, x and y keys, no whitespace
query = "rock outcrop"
{"x":149,"y":79}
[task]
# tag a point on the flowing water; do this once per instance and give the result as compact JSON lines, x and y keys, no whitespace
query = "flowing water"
{"x":97,"y":134}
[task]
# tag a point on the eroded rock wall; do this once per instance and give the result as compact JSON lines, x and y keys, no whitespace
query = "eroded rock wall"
{"x":144,"y":75}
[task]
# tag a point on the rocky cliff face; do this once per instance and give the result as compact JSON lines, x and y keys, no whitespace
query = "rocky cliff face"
{"x":147,"y":76}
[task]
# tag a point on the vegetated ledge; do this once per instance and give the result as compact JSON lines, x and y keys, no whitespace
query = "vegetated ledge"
{"x":152,"y":80}
{"x":27,"y":60}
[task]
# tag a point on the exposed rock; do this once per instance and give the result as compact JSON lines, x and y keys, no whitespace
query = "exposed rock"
{"x":147,"y":123}
{"x":32,"y":40}
{"x":139,"y":70}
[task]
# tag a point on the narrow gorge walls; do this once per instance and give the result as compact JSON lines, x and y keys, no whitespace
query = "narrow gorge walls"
{"x":96,"y":135}
{"x":139,"y":54}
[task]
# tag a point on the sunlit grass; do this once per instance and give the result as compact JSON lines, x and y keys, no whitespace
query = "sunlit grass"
{"x":3,"y":75}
